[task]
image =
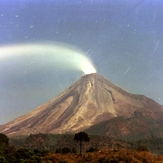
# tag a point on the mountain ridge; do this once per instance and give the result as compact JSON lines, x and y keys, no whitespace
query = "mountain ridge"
{"x":89,"y":101}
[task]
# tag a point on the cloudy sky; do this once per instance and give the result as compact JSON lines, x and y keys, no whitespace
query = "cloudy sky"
{"x":122,"y":38}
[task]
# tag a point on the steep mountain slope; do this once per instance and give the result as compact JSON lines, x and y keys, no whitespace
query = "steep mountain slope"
{"x":89,"y":101}
{"x":129,"y":128}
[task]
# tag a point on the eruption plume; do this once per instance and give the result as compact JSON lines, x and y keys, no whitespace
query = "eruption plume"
{"x":59,"y":55}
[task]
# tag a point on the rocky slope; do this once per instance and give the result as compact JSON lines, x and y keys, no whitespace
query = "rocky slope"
{"x":90,"y":102}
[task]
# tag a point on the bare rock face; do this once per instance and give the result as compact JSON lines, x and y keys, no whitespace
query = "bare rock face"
{"x":90,"y":101}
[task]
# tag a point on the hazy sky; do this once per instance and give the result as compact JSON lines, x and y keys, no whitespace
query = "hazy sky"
{"x":123,"y":39}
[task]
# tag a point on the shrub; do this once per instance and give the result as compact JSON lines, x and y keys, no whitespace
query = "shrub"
{"x":142,"y":148}
{"x":66,"y":150}
{"x":3,"y":160}
{"x":91,"y":149}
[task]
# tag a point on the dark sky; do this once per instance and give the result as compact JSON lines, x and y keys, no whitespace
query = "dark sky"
{"x":123,"y":39}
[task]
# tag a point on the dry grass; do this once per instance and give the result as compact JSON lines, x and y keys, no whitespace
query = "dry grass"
{"x":105,"y":156}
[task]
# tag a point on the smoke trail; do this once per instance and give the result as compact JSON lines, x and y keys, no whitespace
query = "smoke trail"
{"x":59,"y":55}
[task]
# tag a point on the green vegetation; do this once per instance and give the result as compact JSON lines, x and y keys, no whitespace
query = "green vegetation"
{"x":52,"y":142}
{"x":49,"y":148}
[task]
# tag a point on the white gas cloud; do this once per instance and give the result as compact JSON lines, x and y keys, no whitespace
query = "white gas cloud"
{"x":59,"y":55}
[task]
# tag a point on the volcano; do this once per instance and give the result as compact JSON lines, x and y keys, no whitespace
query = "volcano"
{"x":92,"y":104}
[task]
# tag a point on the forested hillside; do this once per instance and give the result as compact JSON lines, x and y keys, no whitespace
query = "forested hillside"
{"x":43,"y":148}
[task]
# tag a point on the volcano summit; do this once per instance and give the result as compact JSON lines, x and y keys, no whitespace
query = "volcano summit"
{"x":90,"y":102}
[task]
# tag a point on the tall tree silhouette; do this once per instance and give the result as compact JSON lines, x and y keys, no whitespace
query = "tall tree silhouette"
{"x":81,"y":137}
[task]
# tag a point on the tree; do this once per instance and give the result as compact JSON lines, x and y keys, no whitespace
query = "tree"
{"x":4,"y":139}
{"x":4,"y":143}
{"x":81,"y":137}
